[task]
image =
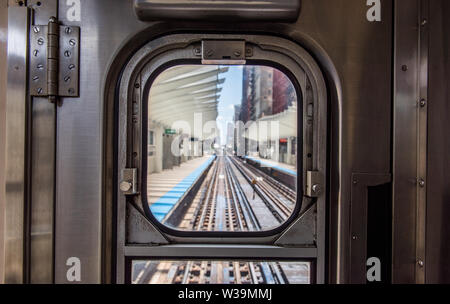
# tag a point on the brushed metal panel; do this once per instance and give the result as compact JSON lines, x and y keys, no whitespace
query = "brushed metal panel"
{"x":42,"y":166}
{"x":229,"y":11}
{"x":3,"y":84}
{"x":15,"y":143}
{"x":78,"y":214}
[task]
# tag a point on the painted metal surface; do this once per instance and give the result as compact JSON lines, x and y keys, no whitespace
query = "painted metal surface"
{"x":438,"y":168}
{"x":359,"y":203}
{"x":409,"y":154}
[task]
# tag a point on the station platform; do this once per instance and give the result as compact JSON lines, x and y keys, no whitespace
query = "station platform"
{"x":167,"y":188}
{"x":285,"y":168}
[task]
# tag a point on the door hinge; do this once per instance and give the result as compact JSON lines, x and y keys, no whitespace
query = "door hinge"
{"x":54,"y":60}
{"x":129,"y":182}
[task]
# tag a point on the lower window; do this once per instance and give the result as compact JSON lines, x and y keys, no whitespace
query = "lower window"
{"x":220,"y":272}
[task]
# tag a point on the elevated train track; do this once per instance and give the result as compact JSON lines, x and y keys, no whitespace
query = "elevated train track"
{"x":234,"y":197}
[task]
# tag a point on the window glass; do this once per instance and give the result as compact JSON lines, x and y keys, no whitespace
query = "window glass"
{"x":223,"y":145}
{"x":220,"y":272}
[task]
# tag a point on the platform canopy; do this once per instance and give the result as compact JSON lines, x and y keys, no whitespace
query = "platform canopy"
{"x":183,"y":92}
{"x":274,"y":127}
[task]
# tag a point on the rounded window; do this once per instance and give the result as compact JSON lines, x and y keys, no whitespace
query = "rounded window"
{"x":222,"y":148}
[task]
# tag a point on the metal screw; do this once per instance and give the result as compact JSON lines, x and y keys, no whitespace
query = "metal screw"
{"x":404,"y":68}
{"x":36,"y":78}
{"x":423,"y":103}
{"x":67,"y":53}
{"x":53,"y":19}
{"x":72,"y":42}
{"x":71,"y":67}
{"x":40,"y":66}
{"x":197,"y":51}
{"x":36,"y":29}
{"x":35,"y":52}
{"x":237,"y":53}
{"x":125,"y":186}
{"x":420,"y":263}
{"x":68,"y":30}
{"x":67,"y":78}
{"x":209,"y":53}
{"x":421,"y":182}
{"x":137,"y":85}
{"x":355,"y":181}
{"x":354,"y":237}
{"x":40,"y":41}
{"x":39,"y":90}
{"x":71,"y":91}
{"x":424,"y":22}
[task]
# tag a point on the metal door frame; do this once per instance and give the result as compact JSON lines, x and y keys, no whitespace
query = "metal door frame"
{"x":156,"y":244}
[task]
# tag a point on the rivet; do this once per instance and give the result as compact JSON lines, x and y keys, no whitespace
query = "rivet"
{"x":422,"y":183}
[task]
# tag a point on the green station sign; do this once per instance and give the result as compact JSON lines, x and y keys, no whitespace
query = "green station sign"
{"x":170,"y":132}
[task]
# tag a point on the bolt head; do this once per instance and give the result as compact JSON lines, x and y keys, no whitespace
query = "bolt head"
{"x":125,"y":186}
{"x":316,"y":188}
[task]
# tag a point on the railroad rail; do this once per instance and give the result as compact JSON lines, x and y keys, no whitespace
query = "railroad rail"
{"x":226,"y":202}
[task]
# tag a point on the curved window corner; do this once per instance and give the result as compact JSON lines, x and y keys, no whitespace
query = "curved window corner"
{"x":222,"y":148}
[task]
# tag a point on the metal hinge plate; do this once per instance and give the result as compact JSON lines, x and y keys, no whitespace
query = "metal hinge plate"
{"x":314,"y":187}
{"x":129,"y":183}
{"x":223,"y":52}
{"x":44,"y":64}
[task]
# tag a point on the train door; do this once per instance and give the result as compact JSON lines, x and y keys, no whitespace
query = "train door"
{"x":224,"y":212}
